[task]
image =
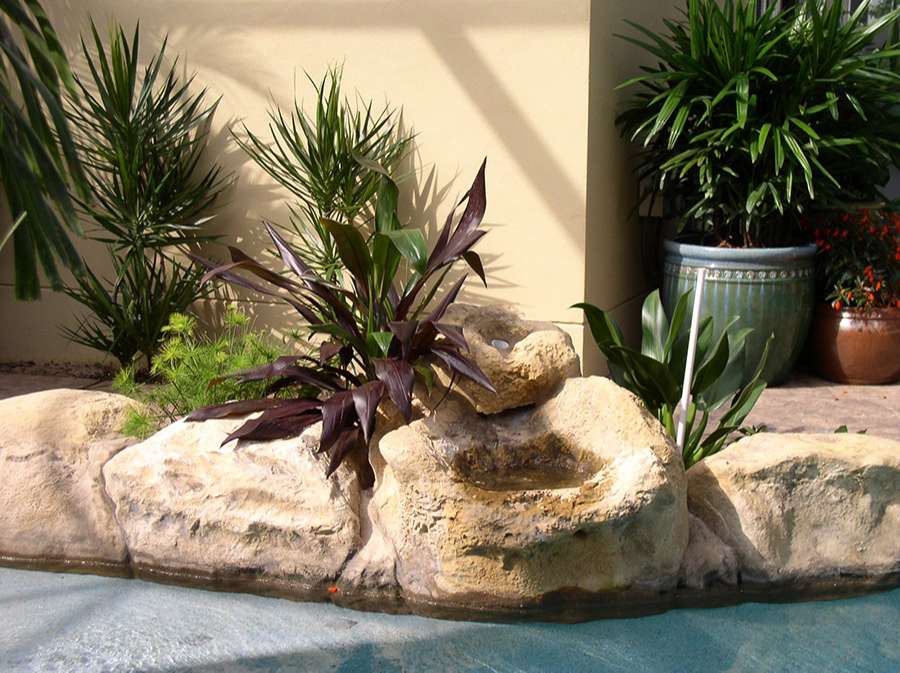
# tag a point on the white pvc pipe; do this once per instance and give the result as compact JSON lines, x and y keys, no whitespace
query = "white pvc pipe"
{"x":689,"y":365}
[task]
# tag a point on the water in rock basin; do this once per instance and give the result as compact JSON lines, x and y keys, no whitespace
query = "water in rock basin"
{"x":86,"y":624}
{"x":530,"y":478}
{"x":548,"y":462}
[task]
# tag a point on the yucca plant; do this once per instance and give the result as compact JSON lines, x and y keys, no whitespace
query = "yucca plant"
{"x":381,"y":335}
{"x":38,"y":162}
{"x":313,"y":155}
{"x":141,"y":135}
{"x":656,"y":373}
{"x":746,"y":119}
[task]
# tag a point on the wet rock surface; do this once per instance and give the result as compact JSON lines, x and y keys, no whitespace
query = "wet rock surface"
{"x":53,"y":506}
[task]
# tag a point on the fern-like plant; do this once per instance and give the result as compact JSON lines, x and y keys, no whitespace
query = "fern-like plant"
{"x":141,"y":137}
{"x":189,"y":371}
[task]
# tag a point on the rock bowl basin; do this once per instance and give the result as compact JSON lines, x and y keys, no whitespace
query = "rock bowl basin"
{"x":582,"y":493}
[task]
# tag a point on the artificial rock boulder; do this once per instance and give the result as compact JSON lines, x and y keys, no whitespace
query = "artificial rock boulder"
{"x":584,"y":492}
{"x":53,"y":507}
{"x":800,"y":509}
{"x":526,"y":361}
{"x":257,"y":511}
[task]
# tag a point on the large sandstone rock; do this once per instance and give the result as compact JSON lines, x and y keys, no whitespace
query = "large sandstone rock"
{"x":803,"y":508}
{"x":260,"y":510}
{"x":584,"y":492}
{"x":526,"y":361}
{"x":53,"y":507}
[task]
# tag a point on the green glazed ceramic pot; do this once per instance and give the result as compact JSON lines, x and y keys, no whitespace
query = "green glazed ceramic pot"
{"x":771,"y":289}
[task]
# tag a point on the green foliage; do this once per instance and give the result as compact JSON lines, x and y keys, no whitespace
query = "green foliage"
{"x":314,"y":157}
{"x":746,"y":119}
{"x":656,"y":373}
{"x":382,"y":334}
{"x":38,"y":158}
{"x":141,"y":137}
{"x":189,"y":371}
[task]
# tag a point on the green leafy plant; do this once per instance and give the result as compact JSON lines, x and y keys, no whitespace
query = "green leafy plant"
{"x":859,"y":257}
{"x":314,"y":157}
{"x":38,"y":161}
{"x":189,"y":371}
{"x":381,"y":335}
{"x":141,"y":137}
{"x":656,"y":373}
{"x":748,"y":118}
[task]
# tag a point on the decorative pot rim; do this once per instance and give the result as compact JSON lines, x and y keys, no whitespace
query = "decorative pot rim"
{"x":805,"y":252}
{"x":886,"y":313}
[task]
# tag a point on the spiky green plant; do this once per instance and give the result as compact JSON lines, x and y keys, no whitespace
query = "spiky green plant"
{"x":656,"y":373}
{"x":313,"y":155}
{"x":38,"y":160}
{"x":141,"y":136}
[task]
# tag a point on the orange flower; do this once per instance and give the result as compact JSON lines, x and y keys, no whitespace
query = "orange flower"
{"x":837,"y":305}
{"x":332,"y":590}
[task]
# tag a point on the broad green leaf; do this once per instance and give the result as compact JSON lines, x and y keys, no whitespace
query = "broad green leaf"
{"x":654,"y":327}
{"x":411,"y":244}
{"x":379,"y":343}
{"x":352,"y":248}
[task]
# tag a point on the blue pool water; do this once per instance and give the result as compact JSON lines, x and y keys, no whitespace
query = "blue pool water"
{"x":84,"y":624}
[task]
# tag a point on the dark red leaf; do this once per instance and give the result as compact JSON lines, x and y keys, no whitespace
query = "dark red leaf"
{"x":305,"y":412}
{"x":338,"y":413}
{"x":446,"y":300}
{"x":399,"y":377}
{"x":260,"y":429}
{"x":366,"y":399}
{"x":456,"y":362}
{"x":328,"y":350}
{"x":474,"y":261}
{"x":476,"y":202}
{"x":454,"y":334}
{"x":348,"y":440}
{"x":238,"y":256}
{"x":404,"y":331}
{"x":237,"y":408}
{"x":288,"y":256}
{"x":286,"y":367}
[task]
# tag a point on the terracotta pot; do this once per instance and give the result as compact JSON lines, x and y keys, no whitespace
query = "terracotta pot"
{"x":857,"y":346}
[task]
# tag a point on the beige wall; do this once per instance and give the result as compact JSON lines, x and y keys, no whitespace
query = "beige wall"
{"x":527,"y":83}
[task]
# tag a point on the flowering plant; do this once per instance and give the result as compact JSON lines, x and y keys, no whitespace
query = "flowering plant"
{"x":859,"y":258}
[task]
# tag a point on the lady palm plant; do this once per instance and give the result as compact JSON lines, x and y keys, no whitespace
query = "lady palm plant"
{"x":38,"y":161}
{"x":747,"y":118}
{"x":141,"y":138}
{"x":313,"y":155}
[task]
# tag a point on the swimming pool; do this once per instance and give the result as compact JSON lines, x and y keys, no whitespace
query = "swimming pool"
{"x":80,"y":623}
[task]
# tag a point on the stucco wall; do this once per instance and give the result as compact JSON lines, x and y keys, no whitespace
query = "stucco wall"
{"x":527,"y":83}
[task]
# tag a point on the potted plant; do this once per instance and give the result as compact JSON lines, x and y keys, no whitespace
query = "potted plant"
{"x":856,"y":330}
{"x":746,"y":120}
